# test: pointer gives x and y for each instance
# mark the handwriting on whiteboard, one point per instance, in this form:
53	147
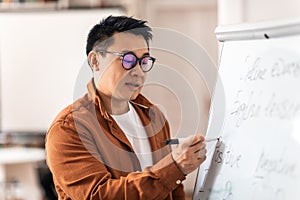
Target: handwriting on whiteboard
250	104
256	70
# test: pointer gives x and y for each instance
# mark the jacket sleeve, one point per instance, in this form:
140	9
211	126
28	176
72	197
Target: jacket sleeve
79	173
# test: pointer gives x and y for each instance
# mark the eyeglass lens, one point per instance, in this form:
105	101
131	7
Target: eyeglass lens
130	60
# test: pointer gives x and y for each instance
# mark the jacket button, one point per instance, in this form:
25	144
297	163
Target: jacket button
178	182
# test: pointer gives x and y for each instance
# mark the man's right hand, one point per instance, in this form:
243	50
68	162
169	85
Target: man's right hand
189	154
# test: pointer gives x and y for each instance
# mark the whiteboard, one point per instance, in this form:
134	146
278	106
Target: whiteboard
41	55
258	156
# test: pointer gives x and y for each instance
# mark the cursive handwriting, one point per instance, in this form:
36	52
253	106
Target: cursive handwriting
255	70
224	193
282	68
246	106
267	191
249	104
274	164
282	109
227	156
258	69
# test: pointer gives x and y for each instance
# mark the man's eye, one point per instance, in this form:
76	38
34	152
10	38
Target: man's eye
145	60
128	61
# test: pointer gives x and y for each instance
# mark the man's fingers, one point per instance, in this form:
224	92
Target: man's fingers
193	140
200	153
201	159
201	147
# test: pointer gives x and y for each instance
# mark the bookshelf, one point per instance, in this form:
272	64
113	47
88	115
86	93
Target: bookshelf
21	5
42	5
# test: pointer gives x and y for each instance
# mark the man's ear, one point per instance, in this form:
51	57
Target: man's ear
94	60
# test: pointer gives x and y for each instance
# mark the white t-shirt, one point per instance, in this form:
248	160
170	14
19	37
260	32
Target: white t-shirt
131	125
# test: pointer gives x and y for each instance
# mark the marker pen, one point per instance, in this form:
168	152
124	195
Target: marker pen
180	140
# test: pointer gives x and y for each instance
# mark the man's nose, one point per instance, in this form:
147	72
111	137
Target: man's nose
137	70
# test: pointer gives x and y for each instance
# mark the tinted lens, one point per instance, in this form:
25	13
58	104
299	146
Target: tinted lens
129	61
146	63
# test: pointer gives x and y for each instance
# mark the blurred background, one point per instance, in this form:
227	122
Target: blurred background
42	52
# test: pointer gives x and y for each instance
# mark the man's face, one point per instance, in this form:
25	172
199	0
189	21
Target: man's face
114	80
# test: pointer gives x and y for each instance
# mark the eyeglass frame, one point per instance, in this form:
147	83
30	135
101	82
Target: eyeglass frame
138	60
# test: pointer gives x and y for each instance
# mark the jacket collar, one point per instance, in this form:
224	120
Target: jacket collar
140	100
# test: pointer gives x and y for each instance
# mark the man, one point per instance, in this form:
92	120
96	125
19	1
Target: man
109	144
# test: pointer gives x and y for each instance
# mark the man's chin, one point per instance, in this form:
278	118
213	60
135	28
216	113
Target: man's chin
133	97
125	97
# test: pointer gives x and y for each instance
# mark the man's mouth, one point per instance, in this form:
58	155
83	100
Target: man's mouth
133	85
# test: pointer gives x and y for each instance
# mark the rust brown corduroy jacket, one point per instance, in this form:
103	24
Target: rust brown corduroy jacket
91	158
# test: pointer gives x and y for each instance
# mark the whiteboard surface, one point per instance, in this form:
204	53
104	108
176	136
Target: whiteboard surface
258	157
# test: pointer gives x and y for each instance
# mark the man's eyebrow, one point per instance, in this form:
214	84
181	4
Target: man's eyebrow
125	51
144	54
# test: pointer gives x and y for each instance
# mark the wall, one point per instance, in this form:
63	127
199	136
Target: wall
236	11
196	19
41	54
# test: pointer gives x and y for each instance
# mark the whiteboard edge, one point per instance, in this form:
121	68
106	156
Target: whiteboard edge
259	30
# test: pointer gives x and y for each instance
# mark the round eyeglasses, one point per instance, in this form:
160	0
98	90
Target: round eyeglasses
129	60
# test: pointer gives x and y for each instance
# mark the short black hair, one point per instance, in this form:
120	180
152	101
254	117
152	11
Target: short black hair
102	32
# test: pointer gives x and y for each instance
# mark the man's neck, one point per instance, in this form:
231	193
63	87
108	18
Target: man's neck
114	106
